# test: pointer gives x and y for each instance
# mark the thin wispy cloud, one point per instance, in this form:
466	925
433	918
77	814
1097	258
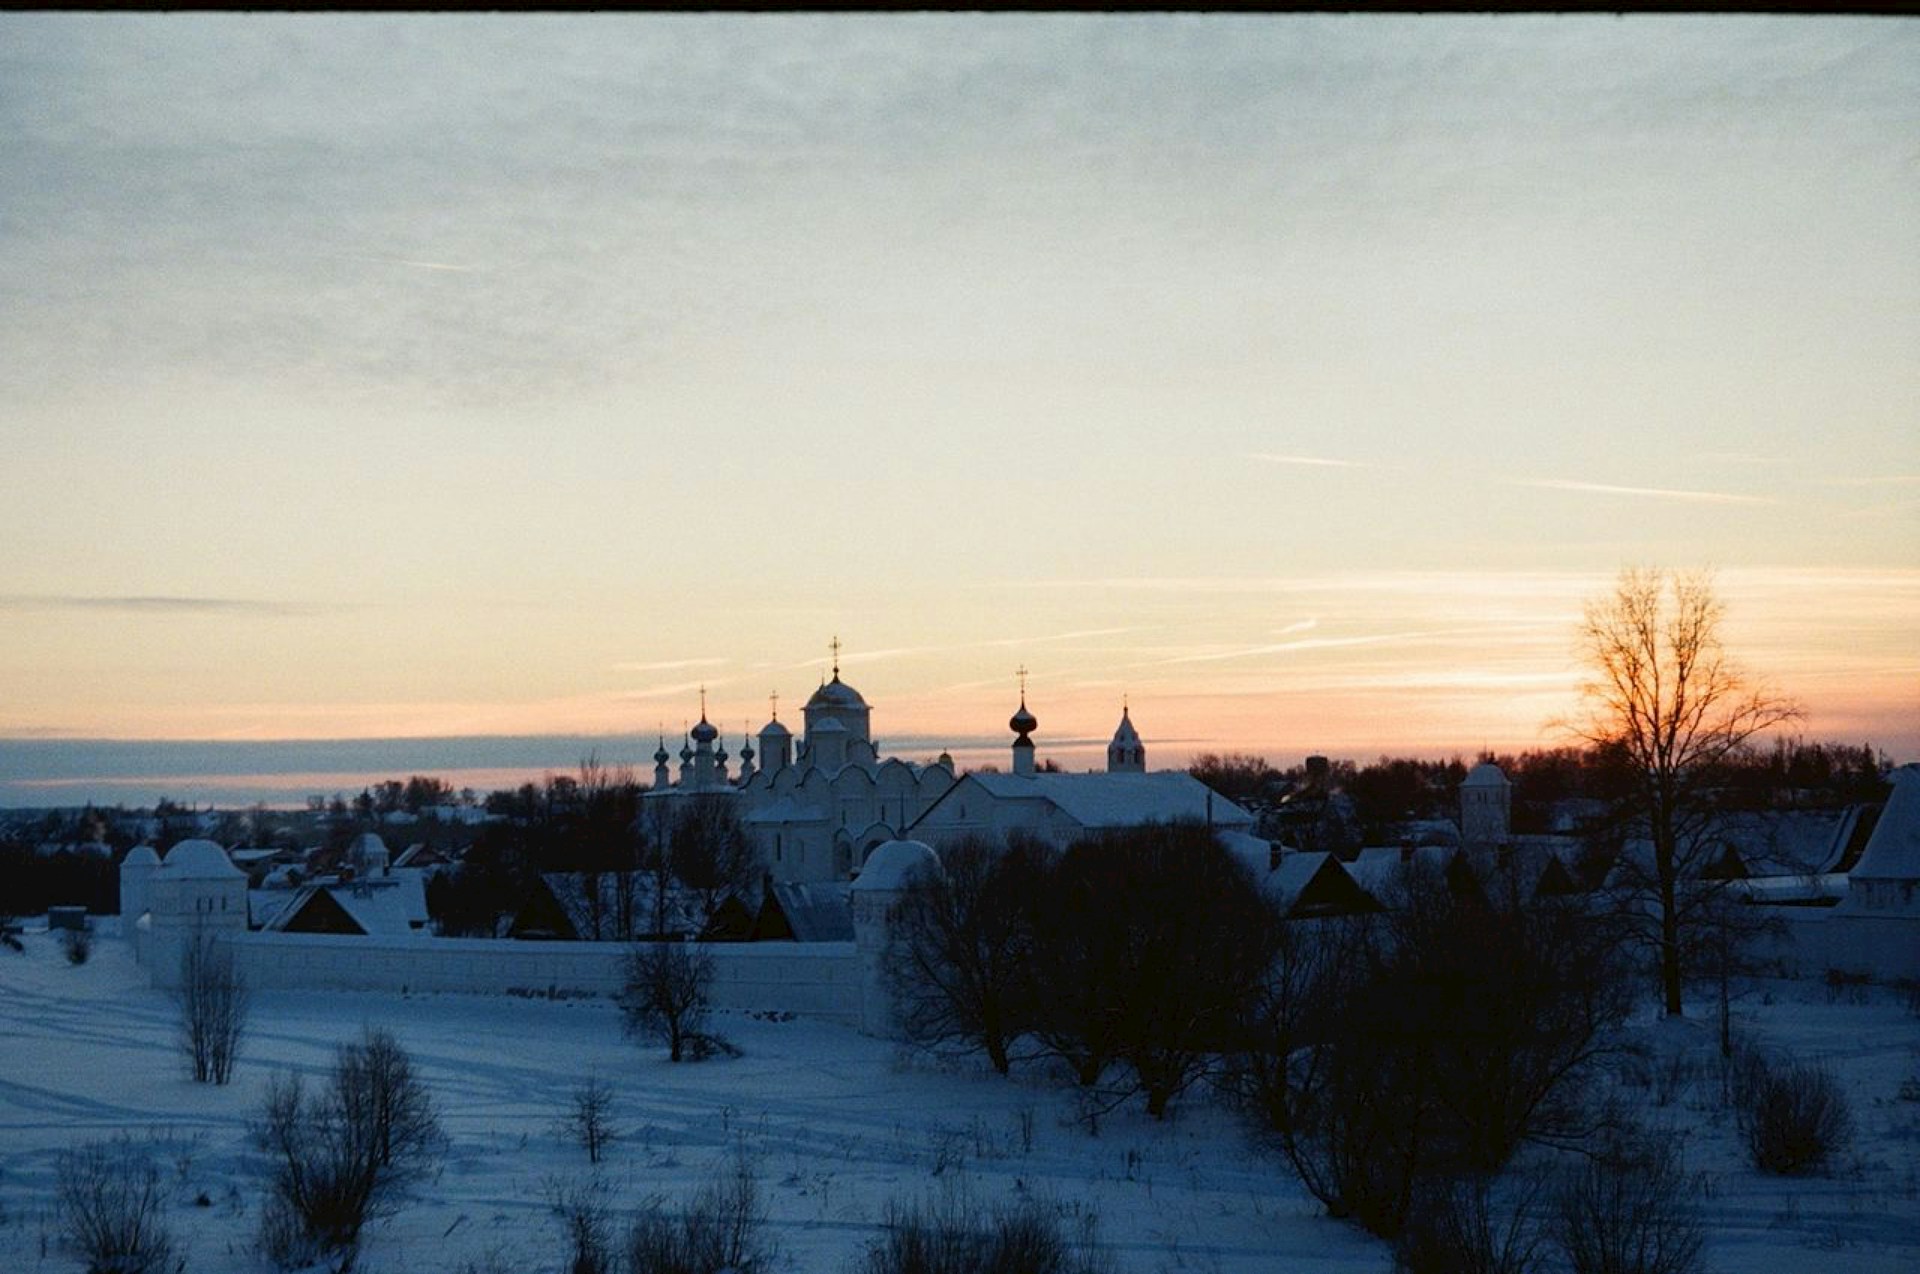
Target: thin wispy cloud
1288	647
141	604
417	265
1316	462
663	692
1654	493
668	665
1885	480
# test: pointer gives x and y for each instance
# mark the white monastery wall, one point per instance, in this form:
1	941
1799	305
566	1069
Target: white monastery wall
1885	948
810	979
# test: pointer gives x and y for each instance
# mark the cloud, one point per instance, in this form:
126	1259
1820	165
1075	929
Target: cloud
1657	493
153	605
668	665
663	692
1320	462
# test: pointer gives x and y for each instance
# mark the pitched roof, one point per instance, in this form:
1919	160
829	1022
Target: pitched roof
1893	853
812	912
1119	800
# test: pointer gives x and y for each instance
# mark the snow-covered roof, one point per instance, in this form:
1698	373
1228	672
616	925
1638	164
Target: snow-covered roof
1121	800
1379	869
814	912
199	860
265	905
829	726
891	865
1255	853
141	856
1893	852
599	919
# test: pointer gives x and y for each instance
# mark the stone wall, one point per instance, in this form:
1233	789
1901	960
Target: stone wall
809	979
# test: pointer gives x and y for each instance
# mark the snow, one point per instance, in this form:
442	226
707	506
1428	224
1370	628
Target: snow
838	1124
1893	852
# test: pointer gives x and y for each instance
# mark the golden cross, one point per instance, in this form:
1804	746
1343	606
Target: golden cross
835	645
774	698
1021	672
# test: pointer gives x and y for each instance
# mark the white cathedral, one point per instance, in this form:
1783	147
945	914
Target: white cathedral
817	811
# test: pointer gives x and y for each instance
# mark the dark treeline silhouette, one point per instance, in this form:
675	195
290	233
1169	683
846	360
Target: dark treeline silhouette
1391	791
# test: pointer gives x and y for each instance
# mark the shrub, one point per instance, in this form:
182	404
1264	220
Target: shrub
583	1215
213	1002
666	999
110	1203
589	1118
77	944
955	1236
1795	1119
338	1156
1627	1211
719	1231
1452	1229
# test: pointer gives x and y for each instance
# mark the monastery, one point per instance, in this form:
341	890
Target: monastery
817	807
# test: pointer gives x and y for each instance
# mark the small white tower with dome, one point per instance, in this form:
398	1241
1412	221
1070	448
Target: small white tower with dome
1126	754
1486	800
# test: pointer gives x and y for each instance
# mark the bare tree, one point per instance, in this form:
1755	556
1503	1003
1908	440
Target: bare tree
213	1001
589	1117
711	853
666	999
1664	693
962	947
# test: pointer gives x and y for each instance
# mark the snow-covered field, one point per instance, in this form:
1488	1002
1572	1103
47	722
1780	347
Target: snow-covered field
838	1125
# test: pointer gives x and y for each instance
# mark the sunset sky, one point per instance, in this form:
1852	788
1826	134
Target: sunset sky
1297	377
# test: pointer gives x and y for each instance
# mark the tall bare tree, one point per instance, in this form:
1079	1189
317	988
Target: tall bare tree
1664	694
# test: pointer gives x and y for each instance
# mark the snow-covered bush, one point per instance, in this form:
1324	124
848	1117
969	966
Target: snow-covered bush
1796	1119
720	1231
953	1235
110	1208
1629	1210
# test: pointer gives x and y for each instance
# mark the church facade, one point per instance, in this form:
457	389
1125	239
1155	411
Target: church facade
818	805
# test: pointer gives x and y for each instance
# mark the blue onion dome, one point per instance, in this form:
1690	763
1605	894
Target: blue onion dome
660	756
704	732
686	751
1023	722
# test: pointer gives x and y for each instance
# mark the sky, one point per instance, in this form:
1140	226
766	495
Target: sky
1293	378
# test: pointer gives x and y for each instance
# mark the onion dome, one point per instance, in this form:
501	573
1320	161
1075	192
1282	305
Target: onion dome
746	748
1023	722
836	694
686	751
660	755
704	732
